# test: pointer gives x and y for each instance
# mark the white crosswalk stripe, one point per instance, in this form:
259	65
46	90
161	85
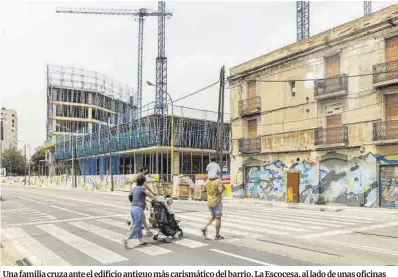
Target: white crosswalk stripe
92	250
116	237
43	255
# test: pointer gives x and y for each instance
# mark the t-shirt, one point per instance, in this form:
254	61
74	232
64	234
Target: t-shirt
139	197
212	171
215	190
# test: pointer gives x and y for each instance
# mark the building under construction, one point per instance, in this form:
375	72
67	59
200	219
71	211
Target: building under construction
130	141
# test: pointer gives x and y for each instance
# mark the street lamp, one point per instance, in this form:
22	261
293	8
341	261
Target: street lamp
10	167
172	131
73	154
26	160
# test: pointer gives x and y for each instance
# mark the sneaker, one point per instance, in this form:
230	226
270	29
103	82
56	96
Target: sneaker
219	237
204	232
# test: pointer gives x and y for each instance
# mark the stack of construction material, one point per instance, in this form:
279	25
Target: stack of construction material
161	188
181	191
199	194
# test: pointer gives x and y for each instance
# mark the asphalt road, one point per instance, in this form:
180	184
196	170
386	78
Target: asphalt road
72	227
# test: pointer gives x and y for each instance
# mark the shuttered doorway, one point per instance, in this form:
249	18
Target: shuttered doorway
332	66
251	95
392	55
252	128
334	132
392	107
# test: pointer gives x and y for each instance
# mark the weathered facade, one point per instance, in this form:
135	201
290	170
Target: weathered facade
320	117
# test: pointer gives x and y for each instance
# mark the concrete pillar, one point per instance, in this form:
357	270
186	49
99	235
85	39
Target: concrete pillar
176	167
138	163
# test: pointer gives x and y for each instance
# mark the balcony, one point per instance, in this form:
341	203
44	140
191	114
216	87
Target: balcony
386	131
250	145
385	74
249	106
331	87
331	137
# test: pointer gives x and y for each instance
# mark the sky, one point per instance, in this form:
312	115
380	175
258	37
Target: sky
201	36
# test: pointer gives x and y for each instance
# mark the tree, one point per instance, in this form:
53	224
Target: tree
36	161
15	160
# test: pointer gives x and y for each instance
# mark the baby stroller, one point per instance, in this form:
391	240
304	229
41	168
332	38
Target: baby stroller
162	218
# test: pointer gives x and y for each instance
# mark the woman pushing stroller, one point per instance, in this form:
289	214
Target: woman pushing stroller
139	193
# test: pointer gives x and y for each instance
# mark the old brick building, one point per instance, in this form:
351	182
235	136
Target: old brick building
320	117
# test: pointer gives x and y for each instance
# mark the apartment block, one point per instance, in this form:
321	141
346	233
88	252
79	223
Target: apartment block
318	119
9	128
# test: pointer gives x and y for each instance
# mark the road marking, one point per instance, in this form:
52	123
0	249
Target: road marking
116	237
96	252
312	221
14	210
35	248
40	218
68	210
62	220
189	243
116	223
54	206
237	215
242	258
231	232
250	222
339	232
237	226
363	247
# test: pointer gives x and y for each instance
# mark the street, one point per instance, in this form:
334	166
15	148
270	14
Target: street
73	227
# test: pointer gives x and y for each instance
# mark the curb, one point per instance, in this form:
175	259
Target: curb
19	254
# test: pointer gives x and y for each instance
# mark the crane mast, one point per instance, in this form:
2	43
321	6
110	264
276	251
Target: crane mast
303	20
161	64
140	14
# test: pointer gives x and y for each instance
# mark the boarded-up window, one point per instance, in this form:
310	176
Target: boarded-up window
251	95
332	66
252	128
392	49
392	107
333	121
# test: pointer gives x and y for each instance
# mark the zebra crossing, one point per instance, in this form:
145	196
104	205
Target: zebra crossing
28	214
101	239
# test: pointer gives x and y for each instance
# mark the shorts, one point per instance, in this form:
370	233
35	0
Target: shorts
216	211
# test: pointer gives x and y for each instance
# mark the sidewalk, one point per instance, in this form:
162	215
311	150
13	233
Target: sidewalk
6	259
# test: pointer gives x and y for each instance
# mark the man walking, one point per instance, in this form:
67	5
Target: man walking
215	189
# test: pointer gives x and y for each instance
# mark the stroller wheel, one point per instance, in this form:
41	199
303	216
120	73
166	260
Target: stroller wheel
168	239
180	235
155	237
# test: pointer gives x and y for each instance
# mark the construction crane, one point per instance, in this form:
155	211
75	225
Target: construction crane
303	20
161	63
367	7
140	14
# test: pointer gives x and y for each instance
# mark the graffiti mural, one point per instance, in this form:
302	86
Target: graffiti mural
341	180
268	181
389	186
352	182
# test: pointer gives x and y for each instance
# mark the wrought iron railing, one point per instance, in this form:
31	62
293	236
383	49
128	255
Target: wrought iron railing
332	135
250	145
385	71
385	130
249	106
332	84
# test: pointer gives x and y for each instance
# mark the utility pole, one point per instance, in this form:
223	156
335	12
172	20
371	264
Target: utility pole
220	118
110	155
